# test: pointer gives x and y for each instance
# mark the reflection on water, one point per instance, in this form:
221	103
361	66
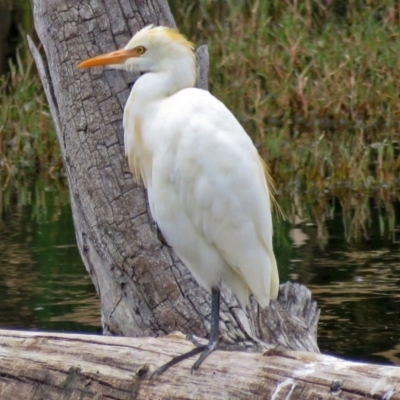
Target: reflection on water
43	284
356	285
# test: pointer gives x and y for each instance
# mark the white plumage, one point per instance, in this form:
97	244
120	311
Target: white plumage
207	185
207	191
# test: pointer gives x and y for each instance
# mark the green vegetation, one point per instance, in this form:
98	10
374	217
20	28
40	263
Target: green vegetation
317	86
315	83
27	140
301	61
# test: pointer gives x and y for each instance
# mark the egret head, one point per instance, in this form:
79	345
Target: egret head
152	49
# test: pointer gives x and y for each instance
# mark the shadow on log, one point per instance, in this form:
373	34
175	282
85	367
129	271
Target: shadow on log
60	366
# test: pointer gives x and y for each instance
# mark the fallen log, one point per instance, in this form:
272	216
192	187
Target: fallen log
36	365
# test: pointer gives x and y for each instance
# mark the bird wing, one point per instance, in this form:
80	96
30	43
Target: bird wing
220	182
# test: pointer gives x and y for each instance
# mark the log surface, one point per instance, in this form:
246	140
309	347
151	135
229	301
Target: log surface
56	366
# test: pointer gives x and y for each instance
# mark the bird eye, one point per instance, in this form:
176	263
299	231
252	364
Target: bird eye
140	50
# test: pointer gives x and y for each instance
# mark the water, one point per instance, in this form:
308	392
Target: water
356	285
44	286
43	283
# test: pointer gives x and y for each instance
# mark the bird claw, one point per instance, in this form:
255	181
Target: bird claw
207	351
204	349
178	359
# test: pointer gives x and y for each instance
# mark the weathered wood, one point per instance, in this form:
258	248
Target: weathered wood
143	287
59	366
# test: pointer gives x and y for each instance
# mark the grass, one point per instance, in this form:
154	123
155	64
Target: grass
315	83
301	61
27	139
35	191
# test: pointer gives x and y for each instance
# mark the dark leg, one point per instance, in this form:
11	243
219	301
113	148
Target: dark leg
205	349
214	329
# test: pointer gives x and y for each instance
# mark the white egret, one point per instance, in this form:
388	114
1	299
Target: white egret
207	186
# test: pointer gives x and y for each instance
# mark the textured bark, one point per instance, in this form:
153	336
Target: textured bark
57	366
143	287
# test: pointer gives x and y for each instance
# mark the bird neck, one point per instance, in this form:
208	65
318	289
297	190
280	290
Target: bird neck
145	97
157	85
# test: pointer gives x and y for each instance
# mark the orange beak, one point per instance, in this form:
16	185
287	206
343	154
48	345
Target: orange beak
115	57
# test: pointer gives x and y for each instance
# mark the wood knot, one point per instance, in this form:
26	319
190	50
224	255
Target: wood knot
142	370
336	387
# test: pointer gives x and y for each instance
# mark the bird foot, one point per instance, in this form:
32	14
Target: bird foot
204	349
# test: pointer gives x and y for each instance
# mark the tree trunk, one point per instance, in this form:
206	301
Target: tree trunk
144	289
57	366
